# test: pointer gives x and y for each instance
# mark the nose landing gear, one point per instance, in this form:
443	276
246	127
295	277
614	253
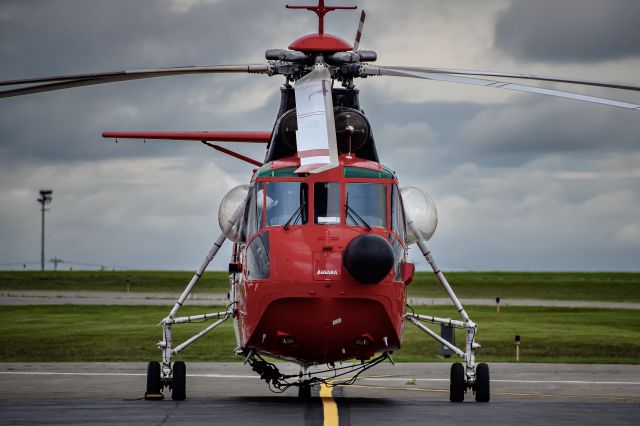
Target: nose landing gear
304	390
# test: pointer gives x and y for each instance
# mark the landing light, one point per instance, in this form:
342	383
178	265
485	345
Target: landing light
287	340
363	341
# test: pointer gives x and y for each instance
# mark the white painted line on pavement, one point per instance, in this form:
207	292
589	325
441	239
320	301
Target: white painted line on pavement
239	376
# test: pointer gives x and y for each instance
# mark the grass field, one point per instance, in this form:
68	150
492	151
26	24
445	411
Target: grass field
138	281
129	333
600	286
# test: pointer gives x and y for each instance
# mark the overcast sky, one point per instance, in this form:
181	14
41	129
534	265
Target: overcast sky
521	181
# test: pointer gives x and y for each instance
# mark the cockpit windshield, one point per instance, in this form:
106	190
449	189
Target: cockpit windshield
286	203
368	202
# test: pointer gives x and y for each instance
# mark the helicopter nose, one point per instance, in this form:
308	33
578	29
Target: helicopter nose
368	258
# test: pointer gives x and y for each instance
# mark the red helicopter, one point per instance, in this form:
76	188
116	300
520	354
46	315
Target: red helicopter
320	235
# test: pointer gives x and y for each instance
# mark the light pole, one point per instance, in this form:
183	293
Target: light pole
45	199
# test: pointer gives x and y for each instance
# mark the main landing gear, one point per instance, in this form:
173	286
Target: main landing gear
173	375
465	375
177	382
458	384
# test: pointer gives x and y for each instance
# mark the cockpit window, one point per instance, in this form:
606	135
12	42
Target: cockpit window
286	203
368	202
253	212
326	201
397	213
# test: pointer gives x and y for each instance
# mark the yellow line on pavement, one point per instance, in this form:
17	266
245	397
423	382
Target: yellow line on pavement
329	407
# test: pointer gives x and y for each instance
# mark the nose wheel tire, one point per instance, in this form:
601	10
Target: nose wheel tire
179	383
154	382
304	391
482	385
457	385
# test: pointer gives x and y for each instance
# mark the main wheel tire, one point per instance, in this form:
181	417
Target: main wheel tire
457	385
482	385
304	391
179	383
154	382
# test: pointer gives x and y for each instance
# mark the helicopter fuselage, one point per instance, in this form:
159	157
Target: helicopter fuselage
297	296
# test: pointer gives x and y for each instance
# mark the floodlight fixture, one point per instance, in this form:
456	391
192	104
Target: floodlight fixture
46	197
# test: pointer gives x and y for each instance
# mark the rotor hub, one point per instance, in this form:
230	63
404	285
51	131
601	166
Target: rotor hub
325	43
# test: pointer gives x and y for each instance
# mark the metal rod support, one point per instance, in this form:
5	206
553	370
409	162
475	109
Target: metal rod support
435	336
199	335
196	277
205	317
212	253
444	321
443	281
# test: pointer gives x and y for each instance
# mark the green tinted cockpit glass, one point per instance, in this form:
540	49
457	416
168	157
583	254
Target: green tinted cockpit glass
359	172
265	171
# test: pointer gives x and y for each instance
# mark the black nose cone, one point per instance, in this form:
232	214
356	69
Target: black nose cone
368	258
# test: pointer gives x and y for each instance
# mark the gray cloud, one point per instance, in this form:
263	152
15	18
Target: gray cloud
498	172
514	133
120	34
100	36
569	30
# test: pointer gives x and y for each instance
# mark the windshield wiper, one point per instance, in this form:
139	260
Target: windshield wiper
351	213
295	216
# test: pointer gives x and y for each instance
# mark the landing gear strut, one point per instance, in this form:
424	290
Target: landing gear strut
463	376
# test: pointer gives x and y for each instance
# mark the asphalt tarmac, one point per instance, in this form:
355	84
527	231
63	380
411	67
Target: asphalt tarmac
231	394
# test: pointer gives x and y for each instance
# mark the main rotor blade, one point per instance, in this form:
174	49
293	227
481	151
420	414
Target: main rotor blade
48	84
243	136
374	70
517	76
356	44
316	135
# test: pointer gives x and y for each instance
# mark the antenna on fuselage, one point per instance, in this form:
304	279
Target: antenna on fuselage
321	10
